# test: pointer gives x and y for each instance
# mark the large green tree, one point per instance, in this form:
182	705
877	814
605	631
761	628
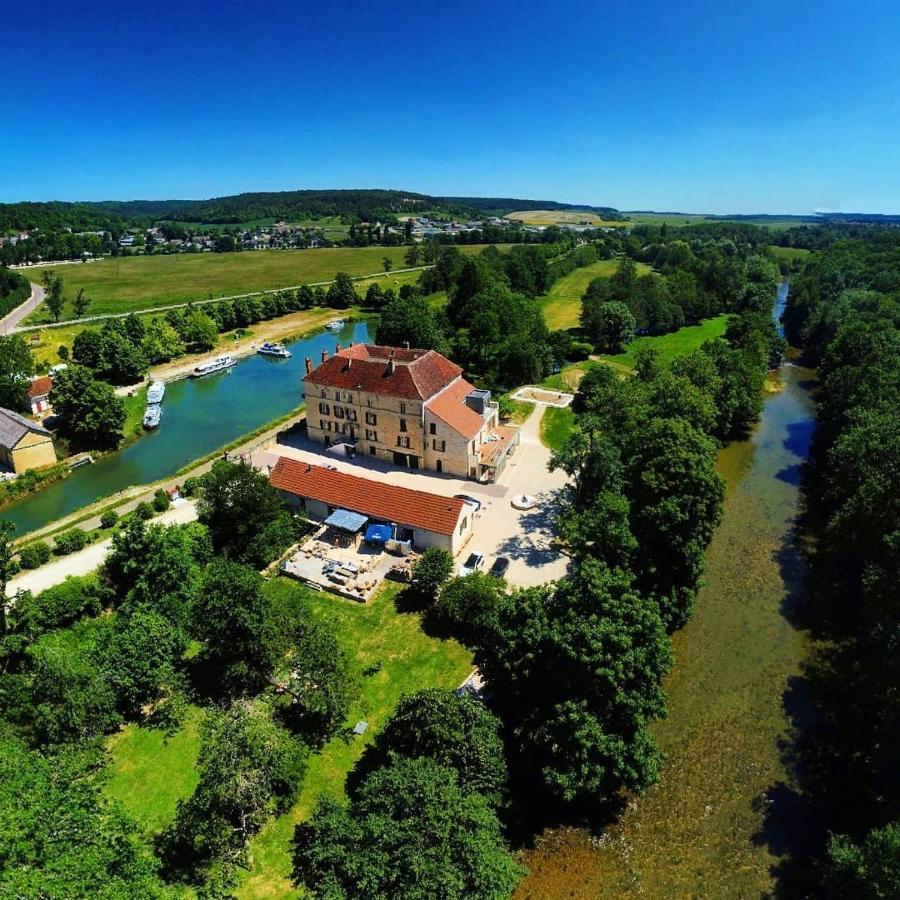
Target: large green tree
410	833
16	369
89	410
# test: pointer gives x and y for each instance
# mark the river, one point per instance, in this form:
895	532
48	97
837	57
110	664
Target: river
721	817
199	416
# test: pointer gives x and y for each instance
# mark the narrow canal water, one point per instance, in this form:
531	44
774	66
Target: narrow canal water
718	821
199	415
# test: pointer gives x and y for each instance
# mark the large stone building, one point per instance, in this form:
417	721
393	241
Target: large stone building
410	407
24	444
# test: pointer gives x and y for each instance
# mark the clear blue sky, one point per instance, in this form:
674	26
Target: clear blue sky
718	106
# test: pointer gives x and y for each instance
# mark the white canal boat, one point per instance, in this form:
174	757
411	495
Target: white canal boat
214	365
152	416
270	349
156	392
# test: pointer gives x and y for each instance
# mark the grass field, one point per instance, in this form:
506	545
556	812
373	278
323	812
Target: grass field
653	218
790	253
556	426
149	774
678	343
562	304
563	217
124	284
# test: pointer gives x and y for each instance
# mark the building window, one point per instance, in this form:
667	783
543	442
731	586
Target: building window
371	435
348	398
371	419
351	415
433	428
402	408
323	408
324	393
372	450
321	424
462	525
440	446
403	424
339	412
403	441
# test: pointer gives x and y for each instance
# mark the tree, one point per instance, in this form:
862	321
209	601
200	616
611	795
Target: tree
468	606
61	836
868	870
411	257
410	832
87	348
388	263
81	303
676	502
161	342
122	361
6	532
53	296
16	368
229	617
245	514
341	294
199	331
409	320
89	410
429	572
249	768
610	326
457	732
374	296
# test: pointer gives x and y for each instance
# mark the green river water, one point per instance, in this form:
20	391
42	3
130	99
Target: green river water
199	416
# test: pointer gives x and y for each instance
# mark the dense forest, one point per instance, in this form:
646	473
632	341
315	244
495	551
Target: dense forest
14	290
845	311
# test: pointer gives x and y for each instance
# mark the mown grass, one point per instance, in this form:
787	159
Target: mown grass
677	343
562	304
556	426
149	772
125	284
790	253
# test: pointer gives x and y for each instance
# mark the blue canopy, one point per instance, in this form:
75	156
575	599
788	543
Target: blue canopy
378	534
344	520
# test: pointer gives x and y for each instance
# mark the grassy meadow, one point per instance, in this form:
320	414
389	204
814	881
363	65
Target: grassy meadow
790	253
126	284
562	305
677	343
563	217
149	773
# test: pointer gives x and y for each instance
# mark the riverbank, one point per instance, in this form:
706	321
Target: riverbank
717	821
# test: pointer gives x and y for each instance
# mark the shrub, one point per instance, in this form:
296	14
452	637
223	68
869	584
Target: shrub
109	518
161	501
144	511
70	541
579	350
34	555
429	572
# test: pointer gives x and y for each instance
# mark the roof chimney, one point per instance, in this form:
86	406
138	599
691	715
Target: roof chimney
406	344
390	365
308	366
324	355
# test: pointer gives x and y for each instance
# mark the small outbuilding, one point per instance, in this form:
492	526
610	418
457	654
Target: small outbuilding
24	444
38	394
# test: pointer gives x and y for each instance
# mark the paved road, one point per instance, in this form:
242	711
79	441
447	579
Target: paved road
87	560
9	322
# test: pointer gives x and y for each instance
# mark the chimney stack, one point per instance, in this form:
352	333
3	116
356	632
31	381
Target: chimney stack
324	355
406	344
308	365
390	365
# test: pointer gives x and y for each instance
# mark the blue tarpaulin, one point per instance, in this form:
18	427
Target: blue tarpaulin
344	520
378	534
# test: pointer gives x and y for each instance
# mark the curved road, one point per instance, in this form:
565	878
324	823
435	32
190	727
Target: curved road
9	322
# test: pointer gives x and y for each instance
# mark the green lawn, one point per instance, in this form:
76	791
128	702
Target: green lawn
678	343
149	773
556	426
790	253
562	305
135	406
124	284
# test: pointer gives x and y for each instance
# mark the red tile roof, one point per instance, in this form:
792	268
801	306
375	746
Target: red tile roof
450	407
416	375
414	509
39	387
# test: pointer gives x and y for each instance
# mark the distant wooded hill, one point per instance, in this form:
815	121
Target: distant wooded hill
362	205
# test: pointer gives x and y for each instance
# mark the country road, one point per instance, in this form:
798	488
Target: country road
9	322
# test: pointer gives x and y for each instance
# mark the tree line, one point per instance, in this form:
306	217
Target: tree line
844	310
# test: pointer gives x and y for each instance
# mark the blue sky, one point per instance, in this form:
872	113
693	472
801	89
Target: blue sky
698	106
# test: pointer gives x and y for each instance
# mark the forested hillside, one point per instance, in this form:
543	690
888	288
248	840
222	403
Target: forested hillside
844	310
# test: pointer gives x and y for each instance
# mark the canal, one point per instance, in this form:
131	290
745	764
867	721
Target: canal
720	819
199	416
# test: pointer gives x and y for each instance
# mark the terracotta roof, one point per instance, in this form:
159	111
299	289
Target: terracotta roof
39	387
450	407
417	374
414	509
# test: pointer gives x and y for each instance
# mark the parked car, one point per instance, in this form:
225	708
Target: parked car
498	569
473	562
466	498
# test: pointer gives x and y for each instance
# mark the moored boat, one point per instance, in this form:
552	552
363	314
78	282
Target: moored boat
273	349
156	392
336	325
152	416
214	365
